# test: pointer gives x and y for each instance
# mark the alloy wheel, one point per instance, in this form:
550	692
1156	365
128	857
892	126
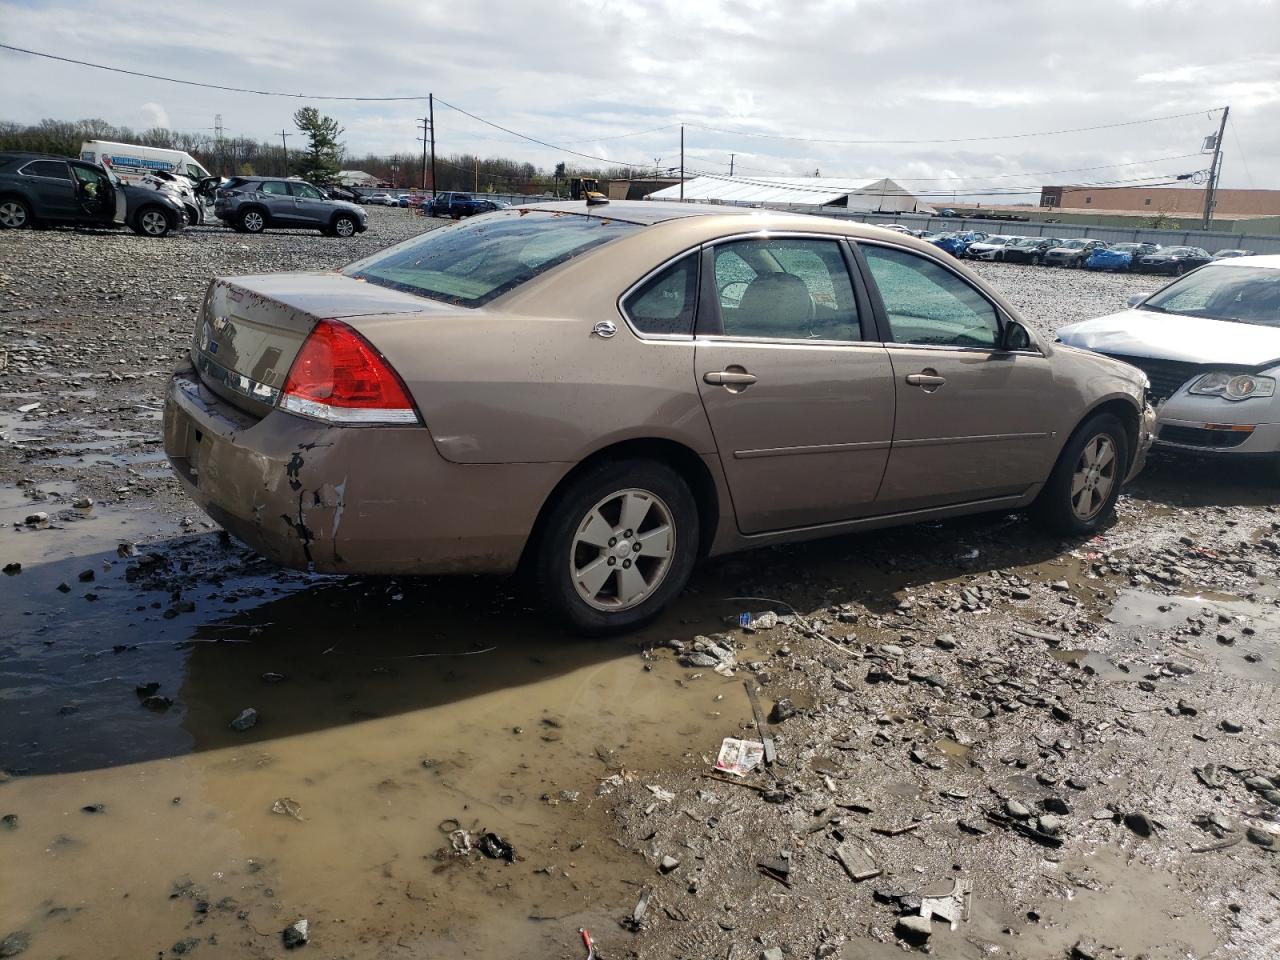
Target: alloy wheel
154	223
13	215
1094	477
253	222
344	227
622	550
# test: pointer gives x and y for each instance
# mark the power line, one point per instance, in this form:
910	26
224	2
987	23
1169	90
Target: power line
1003	136
544	143
196	83
1240	147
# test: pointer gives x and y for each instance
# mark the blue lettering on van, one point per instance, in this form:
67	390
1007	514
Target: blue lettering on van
139	162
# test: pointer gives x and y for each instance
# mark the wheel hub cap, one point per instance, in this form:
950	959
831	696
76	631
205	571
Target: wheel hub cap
622	550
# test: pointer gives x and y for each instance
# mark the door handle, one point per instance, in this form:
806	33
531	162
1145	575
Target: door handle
928	379
725	378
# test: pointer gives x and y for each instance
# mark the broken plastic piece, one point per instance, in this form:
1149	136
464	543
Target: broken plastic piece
739	757
588	943
494	847
953	907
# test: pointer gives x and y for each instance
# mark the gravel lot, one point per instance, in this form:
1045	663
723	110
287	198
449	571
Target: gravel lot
1084	732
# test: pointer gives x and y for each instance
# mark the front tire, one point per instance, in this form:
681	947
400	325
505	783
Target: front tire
1080	496
152	222
618	546
14	213
343	226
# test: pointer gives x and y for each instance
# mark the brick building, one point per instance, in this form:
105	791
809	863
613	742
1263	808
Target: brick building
1150	201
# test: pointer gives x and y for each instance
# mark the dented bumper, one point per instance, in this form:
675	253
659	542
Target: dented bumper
371	500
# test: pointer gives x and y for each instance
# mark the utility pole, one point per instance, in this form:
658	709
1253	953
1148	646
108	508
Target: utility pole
284	142
424	123
682	161
476	188
1215	171
431	121
731	156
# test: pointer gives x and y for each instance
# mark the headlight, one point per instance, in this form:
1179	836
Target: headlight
1233	386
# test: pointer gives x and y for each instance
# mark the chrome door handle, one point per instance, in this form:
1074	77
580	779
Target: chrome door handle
925	380
729	378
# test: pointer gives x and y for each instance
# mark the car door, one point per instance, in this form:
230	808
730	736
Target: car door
279	201
973	420
309	205
55	192
800	399
95	195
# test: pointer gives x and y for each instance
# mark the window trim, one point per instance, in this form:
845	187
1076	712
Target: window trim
69	178
697	299
709	306
882	315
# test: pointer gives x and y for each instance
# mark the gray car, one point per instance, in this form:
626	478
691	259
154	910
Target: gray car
252	204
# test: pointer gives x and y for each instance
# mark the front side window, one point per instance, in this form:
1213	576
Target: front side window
91	181
306	191
276	187
52	169
928	304
475	261
664	304
786	288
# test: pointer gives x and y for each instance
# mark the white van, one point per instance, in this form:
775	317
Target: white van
131	163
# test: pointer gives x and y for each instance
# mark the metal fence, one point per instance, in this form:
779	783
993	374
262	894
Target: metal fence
1209	240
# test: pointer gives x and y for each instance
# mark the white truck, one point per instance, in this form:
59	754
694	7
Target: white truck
131	162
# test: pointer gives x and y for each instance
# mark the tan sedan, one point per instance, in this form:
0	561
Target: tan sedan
602	395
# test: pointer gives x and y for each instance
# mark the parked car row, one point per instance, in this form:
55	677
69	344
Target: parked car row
1077	252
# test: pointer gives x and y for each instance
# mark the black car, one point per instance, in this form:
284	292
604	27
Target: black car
1173	260
41	189
1028	249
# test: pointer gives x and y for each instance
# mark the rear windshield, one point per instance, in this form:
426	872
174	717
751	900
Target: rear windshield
475	261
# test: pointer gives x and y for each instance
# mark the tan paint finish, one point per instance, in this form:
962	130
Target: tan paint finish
515	393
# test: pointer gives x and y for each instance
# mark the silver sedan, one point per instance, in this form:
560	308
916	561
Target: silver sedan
1210	344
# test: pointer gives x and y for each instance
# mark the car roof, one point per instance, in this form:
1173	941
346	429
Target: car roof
1271	261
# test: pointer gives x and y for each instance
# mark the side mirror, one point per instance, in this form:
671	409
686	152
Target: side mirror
1016	337
1136	299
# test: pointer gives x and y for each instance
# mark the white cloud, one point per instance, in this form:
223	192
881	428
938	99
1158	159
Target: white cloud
581	72
153	115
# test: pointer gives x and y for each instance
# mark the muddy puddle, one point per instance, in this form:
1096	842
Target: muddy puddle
388	715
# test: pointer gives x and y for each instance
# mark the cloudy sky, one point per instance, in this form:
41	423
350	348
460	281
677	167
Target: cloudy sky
776	83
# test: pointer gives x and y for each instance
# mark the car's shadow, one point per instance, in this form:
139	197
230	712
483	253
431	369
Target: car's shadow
1187	481
216	629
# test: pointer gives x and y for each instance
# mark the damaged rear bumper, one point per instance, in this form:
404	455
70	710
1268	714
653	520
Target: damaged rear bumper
371	500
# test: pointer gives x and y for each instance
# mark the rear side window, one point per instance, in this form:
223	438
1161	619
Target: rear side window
475	261
53	169
928	304
664	304
788	288
276	187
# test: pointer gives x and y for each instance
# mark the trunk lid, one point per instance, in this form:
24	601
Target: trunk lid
250	329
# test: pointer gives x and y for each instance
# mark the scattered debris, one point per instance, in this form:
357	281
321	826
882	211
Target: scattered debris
297	934
952	907
857	862
288	808
246	719
496	848
739	757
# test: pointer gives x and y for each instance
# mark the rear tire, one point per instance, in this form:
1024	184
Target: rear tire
252	220
1080	495
15	213
585	562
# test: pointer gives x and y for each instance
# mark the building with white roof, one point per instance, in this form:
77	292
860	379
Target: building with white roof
863	195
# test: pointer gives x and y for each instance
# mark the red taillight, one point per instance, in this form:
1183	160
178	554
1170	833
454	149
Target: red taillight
339	377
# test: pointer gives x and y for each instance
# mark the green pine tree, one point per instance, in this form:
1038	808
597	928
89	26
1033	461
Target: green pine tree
321	161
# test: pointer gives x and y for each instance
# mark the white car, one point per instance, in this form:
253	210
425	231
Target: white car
991	248
1210	344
